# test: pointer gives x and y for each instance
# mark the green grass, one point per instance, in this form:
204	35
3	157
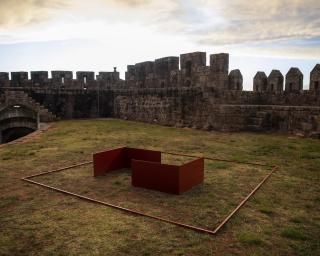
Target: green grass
266	210
281	219
249	238
293	234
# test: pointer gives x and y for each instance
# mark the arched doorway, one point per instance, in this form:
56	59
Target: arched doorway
17	121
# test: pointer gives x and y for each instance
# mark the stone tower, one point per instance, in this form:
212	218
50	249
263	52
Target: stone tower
294	80
260	82
235	80
315	79
163	68
143	74
219	70
190	63
275	81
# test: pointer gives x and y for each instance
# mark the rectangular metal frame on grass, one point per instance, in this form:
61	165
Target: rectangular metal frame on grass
132	211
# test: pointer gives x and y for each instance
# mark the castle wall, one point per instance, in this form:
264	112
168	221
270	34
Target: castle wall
69	104
192	108
194	95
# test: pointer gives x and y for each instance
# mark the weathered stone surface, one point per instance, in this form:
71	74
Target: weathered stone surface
235	80
315	79
260	82
39	78
219	70
61	79
294	80
197	95
19	79
4	79
275	81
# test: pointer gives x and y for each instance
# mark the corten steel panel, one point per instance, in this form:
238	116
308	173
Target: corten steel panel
156	176
108	161
191	174
142	154
121	158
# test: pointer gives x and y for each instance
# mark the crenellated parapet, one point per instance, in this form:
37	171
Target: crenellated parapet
194	72
165	72
60	79
187	71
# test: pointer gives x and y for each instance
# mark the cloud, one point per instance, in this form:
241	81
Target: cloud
259	25
130	3
262	21
245	24
17	13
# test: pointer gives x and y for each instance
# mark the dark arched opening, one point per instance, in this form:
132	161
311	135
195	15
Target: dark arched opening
12	134
271	87
17	121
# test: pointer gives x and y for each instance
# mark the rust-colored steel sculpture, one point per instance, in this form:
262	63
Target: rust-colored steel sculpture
120	158
131	211
148	171
167	178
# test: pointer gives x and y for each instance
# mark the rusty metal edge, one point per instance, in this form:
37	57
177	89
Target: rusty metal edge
58	170
195	228
224	222
120	208
218	159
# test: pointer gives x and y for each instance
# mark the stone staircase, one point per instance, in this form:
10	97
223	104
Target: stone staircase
9	98
256	121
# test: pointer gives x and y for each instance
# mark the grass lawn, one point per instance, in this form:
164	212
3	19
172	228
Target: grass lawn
283	217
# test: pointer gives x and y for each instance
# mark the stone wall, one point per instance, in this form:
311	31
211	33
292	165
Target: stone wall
194	95
193	108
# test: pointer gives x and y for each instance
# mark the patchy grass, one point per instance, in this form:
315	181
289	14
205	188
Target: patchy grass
298	219
281	219
249	238
266	210
293	234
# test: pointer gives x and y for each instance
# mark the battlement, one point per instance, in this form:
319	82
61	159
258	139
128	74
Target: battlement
188	70
194	72
59	79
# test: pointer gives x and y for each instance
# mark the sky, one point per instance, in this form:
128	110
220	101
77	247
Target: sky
97	35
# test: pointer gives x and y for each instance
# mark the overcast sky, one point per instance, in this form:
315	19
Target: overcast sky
97	35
